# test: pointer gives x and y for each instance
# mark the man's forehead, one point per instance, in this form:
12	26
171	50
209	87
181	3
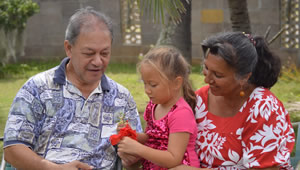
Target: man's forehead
92	24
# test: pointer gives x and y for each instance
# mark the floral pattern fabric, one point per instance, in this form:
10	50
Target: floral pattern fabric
260	135
50	116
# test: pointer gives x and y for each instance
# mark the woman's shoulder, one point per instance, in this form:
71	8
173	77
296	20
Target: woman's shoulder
263	94
262	105
202	91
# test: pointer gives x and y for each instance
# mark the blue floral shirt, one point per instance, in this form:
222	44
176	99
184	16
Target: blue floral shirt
51	116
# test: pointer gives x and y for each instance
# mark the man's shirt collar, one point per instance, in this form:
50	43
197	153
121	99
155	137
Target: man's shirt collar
60	75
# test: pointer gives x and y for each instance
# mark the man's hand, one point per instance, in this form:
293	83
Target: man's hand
75	165
129	161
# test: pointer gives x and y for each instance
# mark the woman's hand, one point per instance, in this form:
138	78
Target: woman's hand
185	167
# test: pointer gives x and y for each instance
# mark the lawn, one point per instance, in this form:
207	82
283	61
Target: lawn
14	76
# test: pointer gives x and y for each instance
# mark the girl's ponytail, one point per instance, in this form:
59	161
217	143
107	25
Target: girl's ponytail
189	94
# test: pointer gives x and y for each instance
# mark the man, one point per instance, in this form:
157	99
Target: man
63	118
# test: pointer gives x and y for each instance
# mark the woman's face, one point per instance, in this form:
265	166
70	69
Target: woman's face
220	76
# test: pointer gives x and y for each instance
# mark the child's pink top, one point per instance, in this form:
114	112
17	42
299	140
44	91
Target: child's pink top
179	119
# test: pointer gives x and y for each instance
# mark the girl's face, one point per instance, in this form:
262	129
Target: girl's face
158	89
220	76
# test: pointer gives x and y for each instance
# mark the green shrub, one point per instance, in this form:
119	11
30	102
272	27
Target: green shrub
15	13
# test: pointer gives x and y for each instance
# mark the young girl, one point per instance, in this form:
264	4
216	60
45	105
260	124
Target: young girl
170	134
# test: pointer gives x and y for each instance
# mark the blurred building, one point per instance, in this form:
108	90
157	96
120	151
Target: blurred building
134	34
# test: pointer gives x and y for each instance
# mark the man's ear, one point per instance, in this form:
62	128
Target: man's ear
68	48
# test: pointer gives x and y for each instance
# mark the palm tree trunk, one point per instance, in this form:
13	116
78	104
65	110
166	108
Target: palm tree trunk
178	35
182	38
239	15
166	33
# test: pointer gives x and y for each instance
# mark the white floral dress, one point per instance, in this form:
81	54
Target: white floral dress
260	135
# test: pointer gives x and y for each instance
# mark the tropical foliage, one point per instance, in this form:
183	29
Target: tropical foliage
159	9
13	18
15	13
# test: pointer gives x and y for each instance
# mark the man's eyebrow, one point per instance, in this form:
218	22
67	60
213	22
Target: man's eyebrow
107	48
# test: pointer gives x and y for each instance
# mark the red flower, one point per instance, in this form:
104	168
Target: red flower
125	131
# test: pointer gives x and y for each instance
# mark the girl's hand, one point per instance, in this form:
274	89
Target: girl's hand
121	125
129	146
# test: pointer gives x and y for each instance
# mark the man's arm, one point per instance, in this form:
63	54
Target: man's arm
21	157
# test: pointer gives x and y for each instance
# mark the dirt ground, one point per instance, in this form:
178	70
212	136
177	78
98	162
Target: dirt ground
294	111
293	107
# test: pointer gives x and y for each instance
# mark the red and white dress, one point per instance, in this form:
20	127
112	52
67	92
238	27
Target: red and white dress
260	135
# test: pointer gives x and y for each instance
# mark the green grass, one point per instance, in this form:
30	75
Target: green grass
15	75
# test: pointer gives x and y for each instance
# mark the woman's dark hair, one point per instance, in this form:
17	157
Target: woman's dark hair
246	54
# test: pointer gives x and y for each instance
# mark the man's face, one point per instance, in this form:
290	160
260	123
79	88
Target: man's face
89	56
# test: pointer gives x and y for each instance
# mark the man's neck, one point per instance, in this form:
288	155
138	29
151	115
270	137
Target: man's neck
85	88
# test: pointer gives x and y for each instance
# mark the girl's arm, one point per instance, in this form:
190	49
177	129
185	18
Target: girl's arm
142	137
169	158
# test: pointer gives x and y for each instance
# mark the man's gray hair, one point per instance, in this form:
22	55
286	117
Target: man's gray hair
85	17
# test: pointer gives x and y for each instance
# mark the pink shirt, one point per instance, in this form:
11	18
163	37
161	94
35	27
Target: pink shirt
179	119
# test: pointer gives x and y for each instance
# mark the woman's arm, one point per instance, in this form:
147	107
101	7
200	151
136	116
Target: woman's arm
169	158
271	168
185	167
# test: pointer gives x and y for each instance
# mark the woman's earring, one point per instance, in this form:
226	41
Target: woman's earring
242	93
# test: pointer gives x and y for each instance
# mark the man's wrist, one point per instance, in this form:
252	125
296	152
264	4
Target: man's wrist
48	165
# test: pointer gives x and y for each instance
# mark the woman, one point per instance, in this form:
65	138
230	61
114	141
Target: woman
241	124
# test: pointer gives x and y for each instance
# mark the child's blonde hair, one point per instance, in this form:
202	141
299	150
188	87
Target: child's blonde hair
170	64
